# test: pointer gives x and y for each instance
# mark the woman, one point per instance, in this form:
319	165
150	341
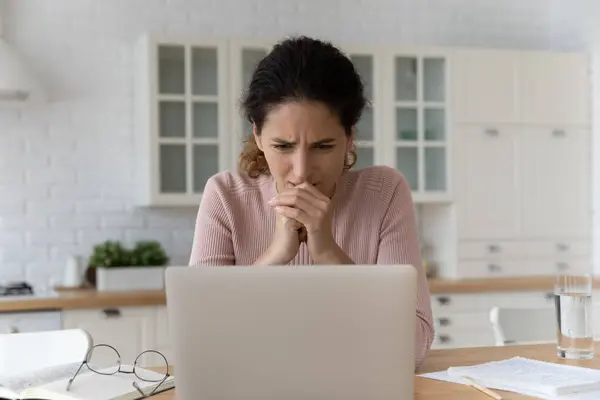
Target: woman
295	200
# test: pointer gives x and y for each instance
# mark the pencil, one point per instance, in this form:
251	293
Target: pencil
485	390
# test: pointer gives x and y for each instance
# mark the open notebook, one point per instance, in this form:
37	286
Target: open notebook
51	383
540	379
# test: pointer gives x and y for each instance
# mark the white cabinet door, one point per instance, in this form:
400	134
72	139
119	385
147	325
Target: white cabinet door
485	86
182	118
487	169
554	88
556	185
129	330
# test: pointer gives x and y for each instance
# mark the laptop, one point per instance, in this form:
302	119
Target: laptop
282	333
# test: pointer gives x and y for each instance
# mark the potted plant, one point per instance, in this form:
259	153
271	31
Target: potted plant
119	268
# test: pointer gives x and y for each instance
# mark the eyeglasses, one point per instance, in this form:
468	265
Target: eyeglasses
104	359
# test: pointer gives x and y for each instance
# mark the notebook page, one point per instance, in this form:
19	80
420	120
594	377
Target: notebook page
92	386
18	383
543	377
589	395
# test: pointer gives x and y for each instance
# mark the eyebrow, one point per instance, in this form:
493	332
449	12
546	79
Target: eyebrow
324	141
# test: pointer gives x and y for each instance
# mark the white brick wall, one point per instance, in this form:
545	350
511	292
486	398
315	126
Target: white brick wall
66	169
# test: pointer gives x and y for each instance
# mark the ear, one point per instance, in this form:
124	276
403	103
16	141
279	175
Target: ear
350	146
257	137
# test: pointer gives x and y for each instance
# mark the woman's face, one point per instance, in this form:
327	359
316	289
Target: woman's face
304	142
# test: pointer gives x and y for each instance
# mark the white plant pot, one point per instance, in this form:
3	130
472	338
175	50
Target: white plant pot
129	278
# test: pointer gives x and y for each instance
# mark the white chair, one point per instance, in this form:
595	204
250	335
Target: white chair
523	325
25	352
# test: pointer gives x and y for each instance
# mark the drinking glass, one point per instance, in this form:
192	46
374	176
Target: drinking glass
573	303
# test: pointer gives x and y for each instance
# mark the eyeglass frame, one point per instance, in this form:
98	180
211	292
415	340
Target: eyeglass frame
119	370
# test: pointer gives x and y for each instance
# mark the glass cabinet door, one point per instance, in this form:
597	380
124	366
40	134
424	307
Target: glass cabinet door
420	121
188	108
365	128
250	59
205	115
171	109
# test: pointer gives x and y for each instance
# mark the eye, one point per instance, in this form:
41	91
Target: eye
323	146
282	146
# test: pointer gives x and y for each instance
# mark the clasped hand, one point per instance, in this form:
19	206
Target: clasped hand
307	205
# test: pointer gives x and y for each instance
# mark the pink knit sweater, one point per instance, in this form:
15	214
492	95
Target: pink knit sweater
373	222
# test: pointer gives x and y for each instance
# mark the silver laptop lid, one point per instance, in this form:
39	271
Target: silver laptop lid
308	332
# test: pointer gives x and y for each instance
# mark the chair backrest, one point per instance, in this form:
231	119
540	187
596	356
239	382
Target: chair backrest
25	352
523	325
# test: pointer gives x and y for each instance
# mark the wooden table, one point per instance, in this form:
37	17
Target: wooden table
426	389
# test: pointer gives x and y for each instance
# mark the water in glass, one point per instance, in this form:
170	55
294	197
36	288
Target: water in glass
573	301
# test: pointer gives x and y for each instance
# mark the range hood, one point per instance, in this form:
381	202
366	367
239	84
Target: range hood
17	85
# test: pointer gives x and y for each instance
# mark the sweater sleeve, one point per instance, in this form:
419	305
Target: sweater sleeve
399	244
212	244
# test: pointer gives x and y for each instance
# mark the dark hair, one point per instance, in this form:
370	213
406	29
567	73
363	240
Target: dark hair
296	69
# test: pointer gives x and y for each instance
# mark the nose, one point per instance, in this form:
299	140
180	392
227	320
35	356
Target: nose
301	167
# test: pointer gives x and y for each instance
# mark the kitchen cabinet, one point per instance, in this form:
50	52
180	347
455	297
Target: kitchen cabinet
182	118
485	86
487	161
131	330
556	182
416	121
531	87
463	320
554	88
244	56
368	130
189	124
522	168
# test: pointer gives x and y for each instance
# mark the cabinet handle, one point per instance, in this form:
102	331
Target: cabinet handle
559	133
444	321
444	300
444	339
562	247
494	248
491	132
494	268
562	266
111	312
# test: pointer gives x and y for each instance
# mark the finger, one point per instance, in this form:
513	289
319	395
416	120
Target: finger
289	223
313	190
294	213
297	201
305	194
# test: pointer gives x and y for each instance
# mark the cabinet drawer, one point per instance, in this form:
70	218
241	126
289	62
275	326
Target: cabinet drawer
448	304
492	250
558	248
462	321
472	338
500	268
504	268
489	249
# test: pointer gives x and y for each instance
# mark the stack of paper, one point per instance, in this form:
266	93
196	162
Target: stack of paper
529	377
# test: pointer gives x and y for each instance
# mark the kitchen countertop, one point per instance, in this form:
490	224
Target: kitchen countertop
85	299
89	298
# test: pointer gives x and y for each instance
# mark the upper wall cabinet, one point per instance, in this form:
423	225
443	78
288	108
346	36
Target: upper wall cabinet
485	86
368	139
182	118
244	56
555	88
498	86
416	121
